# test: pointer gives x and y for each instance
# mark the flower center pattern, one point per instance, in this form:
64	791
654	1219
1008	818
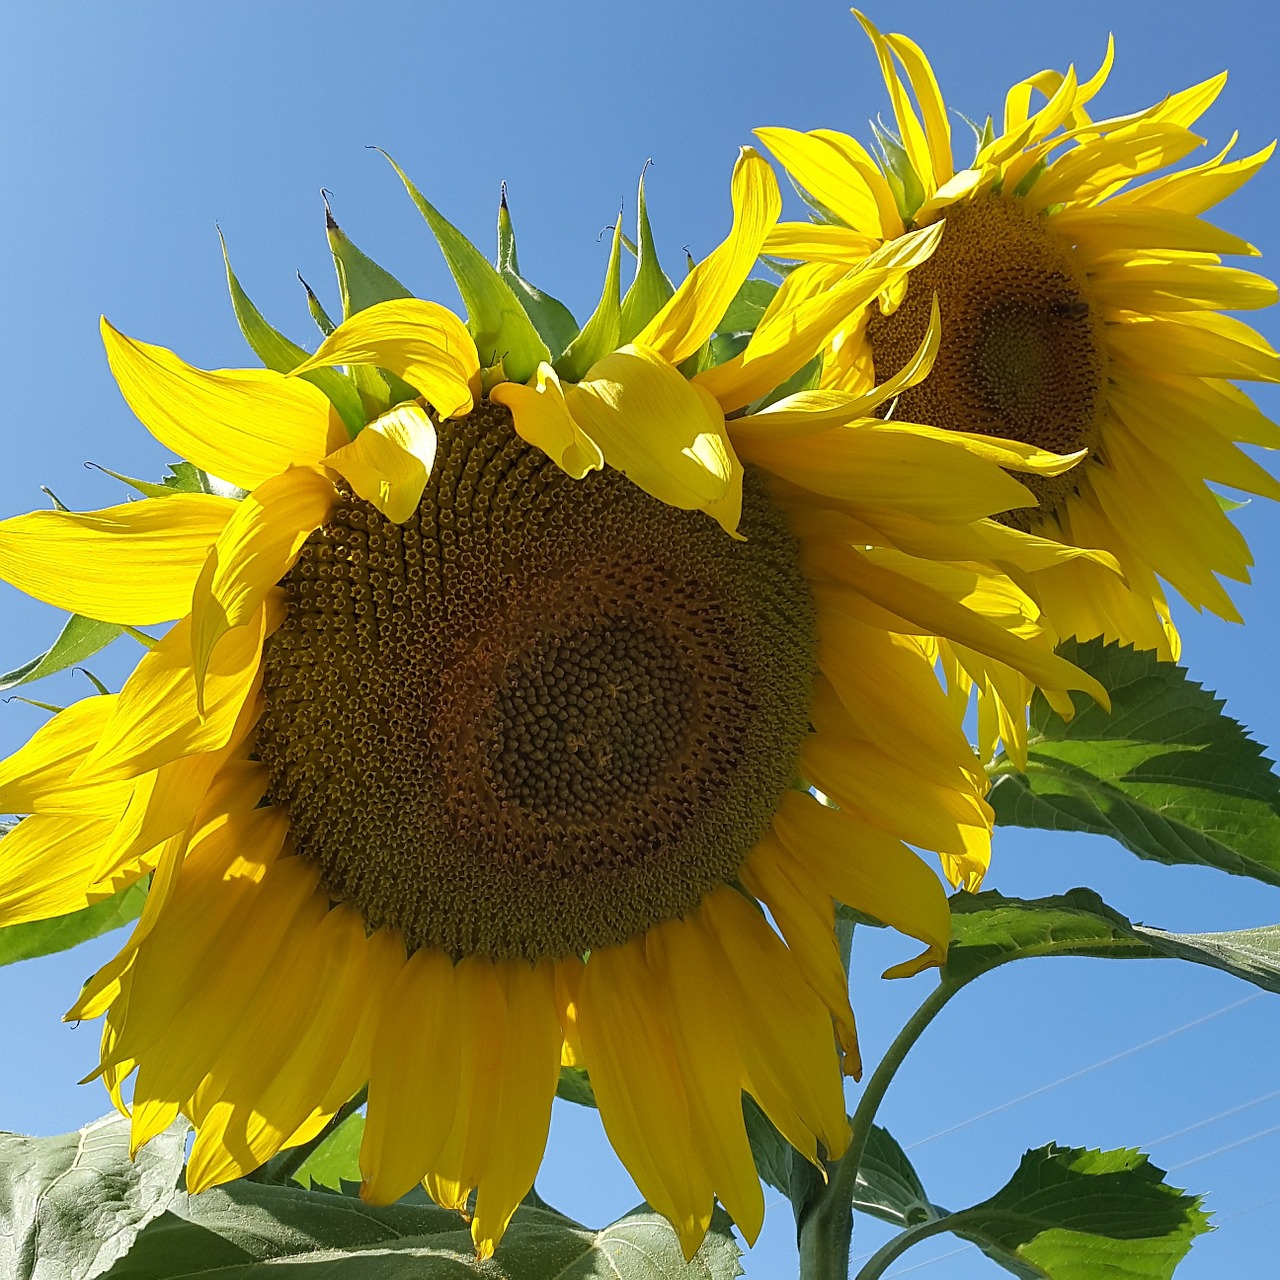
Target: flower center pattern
541	715
1023	352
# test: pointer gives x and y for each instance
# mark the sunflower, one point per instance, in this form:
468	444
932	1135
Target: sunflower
482	735
1080	297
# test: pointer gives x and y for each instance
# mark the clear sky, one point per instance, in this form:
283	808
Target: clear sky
128	129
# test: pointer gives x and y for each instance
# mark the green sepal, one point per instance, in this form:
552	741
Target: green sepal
599	335
79	639
363	283
279	353
552	319
904	182
316	308
148	488
1030	178
748	306
650	289
498	323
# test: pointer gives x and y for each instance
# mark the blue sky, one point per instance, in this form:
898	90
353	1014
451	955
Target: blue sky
129	130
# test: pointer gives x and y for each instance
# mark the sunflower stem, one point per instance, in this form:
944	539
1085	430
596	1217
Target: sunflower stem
282	1168
825	1222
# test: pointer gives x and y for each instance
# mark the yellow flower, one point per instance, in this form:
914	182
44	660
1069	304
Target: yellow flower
1080	298
475	733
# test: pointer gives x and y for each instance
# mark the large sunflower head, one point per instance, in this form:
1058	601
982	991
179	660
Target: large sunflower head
1081	295
495	706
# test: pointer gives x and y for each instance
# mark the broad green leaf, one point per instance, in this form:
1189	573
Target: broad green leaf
771	1150
724	346
1165	773
71	1206
79	639
650	289
599	335
988	930
336	1160
552	319
247	1229
748	305
575	1086
44	937
498	323
279	353
186	477
1072	1214
888	1187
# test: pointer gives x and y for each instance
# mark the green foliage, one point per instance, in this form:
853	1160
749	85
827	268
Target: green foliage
61	933
239	1231
78	640
279	353
650	289
599	335
575	1086
552	319
336	1161
748	305
71	1206
1165	773
989	930
498	323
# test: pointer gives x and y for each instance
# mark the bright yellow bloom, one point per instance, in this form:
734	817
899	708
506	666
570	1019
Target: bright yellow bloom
1080	299
472	730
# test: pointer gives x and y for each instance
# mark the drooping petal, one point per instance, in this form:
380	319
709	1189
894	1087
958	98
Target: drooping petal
241	425
134	564
421	342
390	461
664	433
542	419
255	550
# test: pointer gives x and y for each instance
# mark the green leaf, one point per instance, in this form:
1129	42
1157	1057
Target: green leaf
336	1160
60	933
888	1187
1072	1214
186	477
79	639
498	323
1165	773
279	353
650	289
71	1206
904	182
245	1229
748	305
599	335
988	930
552	319
575	1086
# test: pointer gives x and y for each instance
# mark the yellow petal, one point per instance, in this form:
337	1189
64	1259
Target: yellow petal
697	306
134	564
40	776
422	342
256	549
665	434
242	425
866	869
819	242
47	865
543	420
389	462
833	176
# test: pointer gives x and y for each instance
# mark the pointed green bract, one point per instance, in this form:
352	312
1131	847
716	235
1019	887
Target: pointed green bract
361	281
552	319
279	353
904	182
316	307
498	323
599	335
650	290
79	639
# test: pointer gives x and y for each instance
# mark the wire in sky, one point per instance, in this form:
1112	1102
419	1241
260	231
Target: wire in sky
1222	1115
1231	1146
1084	1071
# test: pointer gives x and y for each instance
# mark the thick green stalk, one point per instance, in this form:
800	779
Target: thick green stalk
825	1222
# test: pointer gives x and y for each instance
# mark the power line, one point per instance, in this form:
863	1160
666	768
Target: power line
1084	1071
1231	1146
1222	1115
